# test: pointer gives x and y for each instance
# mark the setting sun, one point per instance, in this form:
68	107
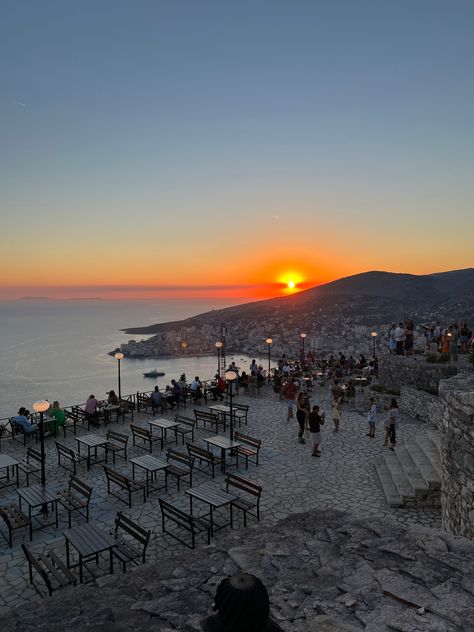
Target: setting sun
291	284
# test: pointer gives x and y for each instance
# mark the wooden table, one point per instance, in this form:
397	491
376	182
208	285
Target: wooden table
108	410
39	496
9	464
225	444
151	465
91	441
89	541
164	425
215	498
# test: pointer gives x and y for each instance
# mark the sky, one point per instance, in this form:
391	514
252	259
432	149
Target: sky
225	148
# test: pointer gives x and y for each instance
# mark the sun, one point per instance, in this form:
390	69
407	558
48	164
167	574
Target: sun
291	284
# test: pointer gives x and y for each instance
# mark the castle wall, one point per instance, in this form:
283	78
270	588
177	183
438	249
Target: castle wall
394	371
457	454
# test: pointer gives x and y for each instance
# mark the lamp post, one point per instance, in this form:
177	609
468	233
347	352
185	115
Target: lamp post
41	407
374	335
218	346
118	357
269	343
231	376
303	336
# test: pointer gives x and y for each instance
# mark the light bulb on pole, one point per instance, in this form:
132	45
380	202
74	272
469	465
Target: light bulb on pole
374	335
41	407
118	357
303	336
218	346
269	343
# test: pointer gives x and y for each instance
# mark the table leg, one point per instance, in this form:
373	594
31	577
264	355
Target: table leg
17	477
223	460
81	576
111	561
56	510
67	554
88	457
191	505
211	516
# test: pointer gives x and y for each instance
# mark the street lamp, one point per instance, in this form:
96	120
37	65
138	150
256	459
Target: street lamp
218	346
303	336
231	376
374	335
41	407
269	343
118	357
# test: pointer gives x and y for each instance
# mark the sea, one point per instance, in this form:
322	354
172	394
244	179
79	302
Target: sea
58	349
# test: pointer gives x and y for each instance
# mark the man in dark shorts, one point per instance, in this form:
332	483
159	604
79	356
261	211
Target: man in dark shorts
315	422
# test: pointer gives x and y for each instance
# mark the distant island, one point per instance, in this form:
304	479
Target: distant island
337	316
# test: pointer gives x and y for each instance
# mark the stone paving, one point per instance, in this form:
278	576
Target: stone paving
293	481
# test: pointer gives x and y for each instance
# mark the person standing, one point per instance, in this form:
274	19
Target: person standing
392	343
399	339
290	391
336	412
371	414
454	340
156	400
315	422
302	413
392	418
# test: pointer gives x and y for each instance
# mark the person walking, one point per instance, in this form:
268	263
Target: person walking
302	413
336	412
371	414
315	422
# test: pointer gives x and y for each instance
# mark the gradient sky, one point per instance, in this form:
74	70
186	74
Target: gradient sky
182	145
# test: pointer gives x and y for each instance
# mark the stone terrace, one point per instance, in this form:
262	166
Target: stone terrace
293	482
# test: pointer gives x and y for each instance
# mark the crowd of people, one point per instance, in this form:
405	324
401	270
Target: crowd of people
451	340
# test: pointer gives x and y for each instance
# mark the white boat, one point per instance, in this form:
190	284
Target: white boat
153	373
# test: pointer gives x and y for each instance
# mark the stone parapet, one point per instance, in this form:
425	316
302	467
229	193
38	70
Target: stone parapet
396	371
457	454
421	405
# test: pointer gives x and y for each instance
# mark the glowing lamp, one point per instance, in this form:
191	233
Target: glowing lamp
218	345
230	376
41	406
118	356
269	341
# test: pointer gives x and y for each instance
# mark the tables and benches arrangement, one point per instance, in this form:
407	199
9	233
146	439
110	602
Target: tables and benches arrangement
185	521
76	498
152	466
131	541
203	455
10	465
251	499
31	464
249	448
116	444
226	445
14	519
38	496
180	466
215	498
91	442
145	436
125	483
89	542
164	425
210	418
50	568
69	454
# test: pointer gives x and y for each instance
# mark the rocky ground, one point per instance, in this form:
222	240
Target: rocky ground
338	560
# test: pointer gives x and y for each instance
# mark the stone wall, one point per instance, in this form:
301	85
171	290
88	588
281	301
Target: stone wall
421	405
457	454
412	371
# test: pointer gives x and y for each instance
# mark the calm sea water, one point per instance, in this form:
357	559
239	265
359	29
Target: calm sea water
58	349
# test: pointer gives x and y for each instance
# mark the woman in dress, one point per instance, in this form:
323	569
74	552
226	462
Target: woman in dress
59	416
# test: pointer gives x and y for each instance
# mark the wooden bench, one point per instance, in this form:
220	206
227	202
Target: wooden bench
5	431
144	402
184	520
209	418
132	541
249	449
76	498
241	413
116	443
196	452
14	519
50	568
144	435
125	483
31	465
181	466
186	426
246	503
70	455
79	414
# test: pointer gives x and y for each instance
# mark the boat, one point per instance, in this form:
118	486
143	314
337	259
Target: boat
153	373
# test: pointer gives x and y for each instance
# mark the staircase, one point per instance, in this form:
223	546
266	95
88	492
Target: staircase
411	476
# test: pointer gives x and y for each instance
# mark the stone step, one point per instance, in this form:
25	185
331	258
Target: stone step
389	488
431	450
405	488
411	470
426	469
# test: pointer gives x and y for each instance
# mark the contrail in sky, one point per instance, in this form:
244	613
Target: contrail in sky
23	105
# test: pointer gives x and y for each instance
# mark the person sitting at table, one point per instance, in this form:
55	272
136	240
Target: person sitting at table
91	411
58	415
155	400
196	390
170	397
112	399
21	420
178	391
219	389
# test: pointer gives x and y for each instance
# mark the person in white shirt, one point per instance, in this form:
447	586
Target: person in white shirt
399	338
371	414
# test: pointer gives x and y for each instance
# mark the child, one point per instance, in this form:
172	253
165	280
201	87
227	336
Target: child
315	422
371	417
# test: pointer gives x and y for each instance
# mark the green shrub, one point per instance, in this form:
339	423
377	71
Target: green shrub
444	357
